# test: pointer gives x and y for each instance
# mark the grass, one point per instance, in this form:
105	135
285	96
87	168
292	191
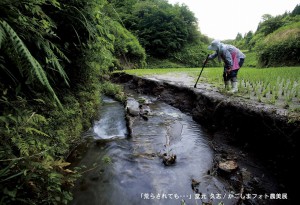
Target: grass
278	86
251	59
160	71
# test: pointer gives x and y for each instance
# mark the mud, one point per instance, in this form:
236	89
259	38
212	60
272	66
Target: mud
260	130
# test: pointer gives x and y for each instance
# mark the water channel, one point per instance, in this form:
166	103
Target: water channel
129	170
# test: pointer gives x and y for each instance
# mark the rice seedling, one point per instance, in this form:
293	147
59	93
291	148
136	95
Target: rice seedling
277	86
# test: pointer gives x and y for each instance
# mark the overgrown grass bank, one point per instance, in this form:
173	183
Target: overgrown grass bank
36	137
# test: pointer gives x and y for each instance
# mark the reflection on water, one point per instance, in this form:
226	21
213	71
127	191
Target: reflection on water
129	171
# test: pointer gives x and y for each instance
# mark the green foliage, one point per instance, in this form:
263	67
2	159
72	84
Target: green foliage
33	146
163	63
270	24
164	30
46	45
275	41
251	59
89	100
28	165
296	10
113	90
28	66
238	37
255	41
29	47
191	55
281	48
85	33
127	49
161	28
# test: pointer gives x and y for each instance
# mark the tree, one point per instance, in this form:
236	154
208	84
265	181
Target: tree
161	28
127	49
248	37
280	48
238	37
296	10
266	17
270	24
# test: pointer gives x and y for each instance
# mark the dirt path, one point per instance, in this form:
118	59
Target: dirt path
181	79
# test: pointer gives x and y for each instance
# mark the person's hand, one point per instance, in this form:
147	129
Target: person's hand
228	71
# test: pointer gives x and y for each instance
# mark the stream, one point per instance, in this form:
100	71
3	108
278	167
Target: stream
128	169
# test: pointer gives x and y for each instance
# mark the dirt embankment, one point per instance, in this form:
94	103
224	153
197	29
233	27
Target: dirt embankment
259	128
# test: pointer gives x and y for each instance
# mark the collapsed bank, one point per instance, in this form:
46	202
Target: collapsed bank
263	130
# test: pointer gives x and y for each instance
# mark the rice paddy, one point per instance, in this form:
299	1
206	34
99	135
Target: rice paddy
278	86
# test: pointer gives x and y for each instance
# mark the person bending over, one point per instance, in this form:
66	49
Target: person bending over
233	60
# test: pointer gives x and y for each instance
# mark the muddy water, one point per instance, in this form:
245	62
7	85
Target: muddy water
129	170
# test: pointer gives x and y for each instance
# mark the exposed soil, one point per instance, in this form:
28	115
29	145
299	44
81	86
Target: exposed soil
262	130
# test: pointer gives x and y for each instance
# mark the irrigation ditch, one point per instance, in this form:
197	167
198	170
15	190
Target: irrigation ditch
260	130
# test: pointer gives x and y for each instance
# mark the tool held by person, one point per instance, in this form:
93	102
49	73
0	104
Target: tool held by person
201	70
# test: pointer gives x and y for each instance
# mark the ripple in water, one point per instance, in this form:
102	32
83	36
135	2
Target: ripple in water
111	123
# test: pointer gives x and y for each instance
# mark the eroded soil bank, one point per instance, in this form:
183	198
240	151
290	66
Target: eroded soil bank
262	130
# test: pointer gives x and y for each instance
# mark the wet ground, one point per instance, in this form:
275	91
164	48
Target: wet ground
262	132
122	167
182	79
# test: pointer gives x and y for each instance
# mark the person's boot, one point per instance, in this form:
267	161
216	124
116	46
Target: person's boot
227	85
234	87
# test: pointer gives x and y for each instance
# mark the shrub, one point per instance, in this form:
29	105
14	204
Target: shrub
113	90
191	55
281	48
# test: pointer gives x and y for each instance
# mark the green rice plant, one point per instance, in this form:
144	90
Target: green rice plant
249	88
266	90
242	86
274	85
291	93
296	88
277	86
